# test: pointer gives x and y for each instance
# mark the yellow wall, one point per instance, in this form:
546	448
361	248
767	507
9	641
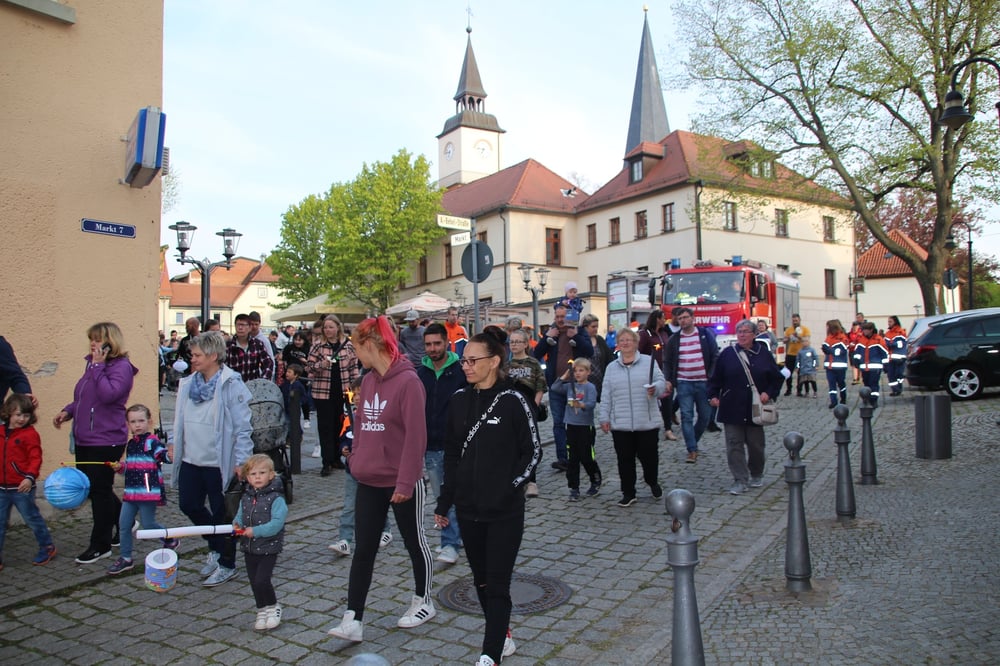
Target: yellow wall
68	93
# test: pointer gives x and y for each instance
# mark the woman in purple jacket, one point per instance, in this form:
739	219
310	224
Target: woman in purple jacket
99	429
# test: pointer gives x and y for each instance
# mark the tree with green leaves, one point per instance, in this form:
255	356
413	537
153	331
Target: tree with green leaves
849	93
360	240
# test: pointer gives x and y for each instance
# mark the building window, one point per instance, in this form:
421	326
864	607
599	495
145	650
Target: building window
261	292
447	260
828	229
781	222
830	280
592	236
592	283
553	248
178	317
616	231
729	212
422	270
641	230
481	236
668	218
762	169
635	171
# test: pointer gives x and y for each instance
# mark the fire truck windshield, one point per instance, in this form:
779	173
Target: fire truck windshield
703	287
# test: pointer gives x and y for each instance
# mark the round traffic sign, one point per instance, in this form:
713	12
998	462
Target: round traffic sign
484	261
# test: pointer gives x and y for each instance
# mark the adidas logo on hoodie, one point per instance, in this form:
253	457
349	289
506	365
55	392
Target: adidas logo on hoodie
373	410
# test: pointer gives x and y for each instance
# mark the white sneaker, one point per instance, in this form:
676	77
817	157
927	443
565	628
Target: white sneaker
385	540
261	623
449	555
509	647
349	629
305	425
420	611
273	617
342	547
317	451
211	564
531	489
484	660
220	576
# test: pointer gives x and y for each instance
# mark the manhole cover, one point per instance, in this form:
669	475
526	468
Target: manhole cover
529	594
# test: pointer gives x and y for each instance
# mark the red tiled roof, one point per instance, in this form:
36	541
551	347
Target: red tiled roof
878	262
188	295
691	157
527	185
185	289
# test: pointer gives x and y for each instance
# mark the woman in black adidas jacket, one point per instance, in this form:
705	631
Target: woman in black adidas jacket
491	448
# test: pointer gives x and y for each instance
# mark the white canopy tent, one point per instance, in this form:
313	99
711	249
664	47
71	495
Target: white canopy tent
425	302
311	309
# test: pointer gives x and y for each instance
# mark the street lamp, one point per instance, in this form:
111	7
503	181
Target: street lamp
950	245
230	239
955	114
543	279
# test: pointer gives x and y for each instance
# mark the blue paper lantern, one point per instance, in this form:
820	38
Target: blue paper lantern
67	488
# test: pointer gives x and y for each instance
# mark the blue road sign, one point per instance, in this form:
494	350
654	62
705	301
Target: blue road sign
108	228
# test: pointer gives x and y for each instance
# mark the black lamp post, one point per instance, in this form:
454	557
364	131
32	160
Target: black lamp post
955	114
230	239
950	244
543	279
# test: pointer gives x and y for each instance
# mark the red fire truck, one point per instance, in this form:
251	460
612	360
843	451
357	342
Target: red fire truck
722	295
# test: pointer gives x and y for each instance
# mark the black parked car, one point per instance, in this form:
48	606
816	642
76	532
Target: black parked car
961	354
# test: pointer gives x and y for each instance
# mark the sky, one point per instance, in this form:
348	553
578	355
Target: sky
268	102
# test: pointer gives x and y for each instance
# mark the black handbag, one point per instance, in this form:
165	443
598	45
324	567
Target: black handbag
543	412
232	496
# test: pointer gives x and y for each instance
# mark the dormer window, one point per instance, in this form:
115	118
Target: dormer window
635	171
762	169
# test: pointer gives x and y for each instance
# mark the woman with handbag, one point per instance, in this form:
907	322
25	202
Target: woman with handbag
731	390
211	443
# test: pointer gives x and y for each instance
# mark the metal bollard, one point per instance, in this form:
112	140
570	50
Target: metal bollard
869	470
682	555
846	507
798	566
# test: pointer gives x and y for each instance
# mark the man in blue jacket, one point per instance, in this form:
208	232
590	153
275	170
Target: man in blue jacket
560	345
441	374
12	378
688	362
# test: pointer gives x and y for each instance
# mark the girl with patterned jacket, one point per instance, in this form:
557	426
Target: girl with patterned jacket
260	522
144	487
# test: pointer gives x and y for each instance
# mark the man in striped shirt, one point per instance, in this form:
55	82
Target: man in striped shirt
689	359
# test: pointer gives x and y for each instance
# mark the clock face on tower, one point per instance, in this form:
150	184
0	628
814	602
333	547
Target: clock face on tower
449	150
484	149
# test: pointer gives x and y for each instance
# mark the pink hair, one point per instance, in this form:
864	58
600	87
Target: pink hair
379	331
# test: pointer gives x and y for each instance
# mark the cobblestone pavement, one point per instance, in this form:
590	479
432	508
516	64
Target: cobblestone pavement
911	580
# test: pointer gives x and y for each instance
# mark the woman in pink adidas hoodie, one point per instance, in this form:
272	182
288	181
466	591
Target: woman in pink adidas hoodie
387	459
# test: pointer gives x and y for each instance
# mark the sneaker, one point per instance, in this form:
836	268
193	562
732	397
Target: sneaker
420	611
448	555
306	425
120	565
44	555
211	564
349	629
220	576
692	457
756	481
342	547
574	495
91	555
273	618
171	544
116	539
484	660
317	451
657	490
531	489
385	540
713	427
261	623
626	501
509	647
669	435
594	489
738	488
560	465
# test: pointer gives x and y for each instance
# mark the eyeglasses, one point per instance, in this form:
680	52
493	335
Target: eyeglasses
471	360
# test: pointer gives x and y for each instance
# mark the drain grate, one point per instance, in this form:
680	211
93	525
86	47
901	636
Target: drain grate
529	594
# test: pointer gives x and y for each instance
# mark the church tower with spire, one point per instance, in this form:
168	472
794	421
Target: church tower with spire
648	120
469	144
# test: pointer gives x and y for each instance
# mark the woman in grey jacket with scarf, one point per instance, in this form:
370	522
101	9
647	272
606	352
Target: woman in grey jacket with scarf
629	412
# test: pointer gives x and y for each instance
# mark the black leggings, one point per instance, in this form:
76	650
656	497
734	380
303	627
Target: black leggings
580	448
370	511
329	420
259	571
632	444
492	550
104	503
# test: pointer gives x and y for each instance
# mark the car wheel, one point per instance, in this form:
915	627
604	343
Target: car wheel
963	383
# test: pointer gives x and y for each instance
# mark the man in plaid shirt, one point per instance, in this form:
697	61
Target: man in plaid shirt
246	354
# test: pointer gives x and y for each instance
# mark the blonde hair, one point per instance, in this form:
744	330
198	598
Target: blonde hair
258	460
108	333
582	363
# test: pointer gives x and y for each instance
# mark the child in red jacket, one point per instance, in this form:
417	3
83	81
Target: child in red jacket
21	455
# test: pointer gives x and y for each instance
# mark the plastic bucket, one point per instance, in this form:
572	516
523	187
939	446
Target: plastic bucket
161	569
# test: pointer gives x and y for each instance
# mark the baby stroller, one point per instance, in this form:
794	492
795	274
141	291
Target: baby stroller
270	428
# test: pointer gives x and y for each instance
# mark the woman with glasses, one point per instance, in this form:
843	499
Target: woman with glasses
491	449
387	460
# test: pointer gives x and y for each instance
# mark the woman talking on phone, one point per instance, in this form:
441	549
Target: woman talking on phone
99	429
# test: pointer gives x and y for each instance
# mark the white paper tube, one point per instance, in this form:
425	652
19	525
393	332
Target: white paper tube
190	530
